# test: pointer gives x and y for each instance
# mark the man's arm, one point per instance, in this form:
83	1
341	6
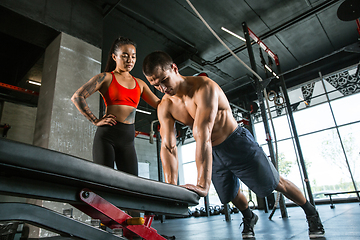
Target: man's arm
206	100
168	151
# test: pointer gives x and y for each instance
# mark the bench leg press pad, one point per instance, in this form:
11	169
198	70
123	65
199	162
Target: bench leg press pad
113	217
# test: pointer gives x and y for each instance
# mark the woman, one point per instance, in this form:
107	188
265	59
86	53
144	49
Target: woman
114	138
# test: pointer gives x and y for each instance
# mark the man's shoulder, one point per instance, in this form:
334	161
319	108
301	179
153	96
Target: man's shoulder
204	87
165	103
200	82
164	108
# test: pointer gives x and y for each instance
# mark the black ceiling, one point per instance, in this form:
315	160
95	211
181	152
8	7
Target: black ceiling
307	36
300	32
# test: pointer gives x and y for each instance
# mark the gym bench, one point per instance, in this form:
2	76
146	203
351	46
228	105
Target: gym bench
38	173
332	206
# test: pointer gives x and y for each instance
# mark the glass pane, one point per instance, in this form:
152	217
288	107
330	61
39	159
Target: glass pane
188	152
282	129
288	163
325	162
294	95
346	109
190	173
313	119
350	136
260	133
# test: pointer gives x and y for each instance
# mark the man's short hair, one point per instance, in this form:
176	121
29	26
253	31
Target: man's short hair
155	60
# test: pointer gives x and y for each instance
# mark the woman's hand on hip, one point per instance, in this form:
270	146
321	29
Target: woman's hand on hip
107	119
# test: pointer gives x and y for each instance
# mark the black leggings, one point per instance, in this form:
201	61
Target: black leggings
116	143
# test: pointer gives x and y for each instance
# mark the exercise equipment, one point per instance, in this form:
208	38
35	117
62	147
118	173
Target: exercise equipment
349	10
18	89
211	209
196	213
332	206
33	172
234	210
217	210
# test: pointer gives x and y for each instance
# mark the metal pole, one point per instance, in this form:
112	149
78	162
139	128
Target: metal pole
296	136
158	144
207	205
160	172
227	212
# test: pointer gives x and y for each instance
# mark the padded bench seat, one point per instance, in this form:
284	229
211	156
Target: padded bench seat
35	172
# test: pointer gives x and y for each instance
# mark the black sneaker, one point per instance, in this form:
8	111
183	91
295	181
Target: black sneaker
316	229
249	224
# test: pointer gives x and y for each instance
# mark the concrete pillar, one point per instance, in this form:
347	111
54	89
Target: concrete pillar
68	64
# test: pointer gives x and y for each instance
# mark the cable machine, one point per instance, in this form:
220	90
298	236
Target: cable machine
262	85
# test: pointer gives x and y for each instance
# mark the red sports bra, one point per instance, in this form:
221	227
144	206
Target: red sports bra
119	95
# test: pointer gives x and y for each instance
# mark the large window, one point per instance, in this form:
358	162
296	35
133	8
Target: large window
328	124
325	162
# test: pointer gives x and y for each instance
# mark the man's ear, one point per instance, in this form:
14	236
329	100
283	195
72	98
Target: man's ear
175	68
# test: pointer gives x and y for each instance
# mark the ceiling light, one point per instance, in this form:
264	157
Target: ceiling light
234	34
142	111
34	82
268	68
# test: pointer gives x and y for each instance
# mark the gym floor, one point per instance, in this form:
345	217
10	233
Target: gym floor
342	222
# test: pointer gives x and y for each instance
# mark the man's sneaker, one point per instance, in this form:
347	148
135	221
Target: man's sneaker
316	228
249	224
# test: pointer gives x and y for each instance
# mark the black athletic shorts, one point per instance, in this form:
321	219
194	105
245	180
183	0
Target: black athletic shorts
240	157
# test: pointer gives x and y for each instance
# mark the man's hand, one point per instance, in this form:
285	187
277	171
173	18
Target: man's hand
201	191
108	119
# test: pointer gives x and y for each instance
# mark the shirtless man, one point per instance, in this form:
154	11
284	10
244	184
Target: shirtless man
224	150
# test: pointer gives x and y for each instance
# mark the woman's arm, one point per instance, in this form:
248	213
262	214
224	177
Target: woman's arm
85	91
148	96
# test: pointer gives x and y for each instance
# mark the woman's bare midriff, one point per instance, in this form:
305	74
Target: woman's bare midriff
122	113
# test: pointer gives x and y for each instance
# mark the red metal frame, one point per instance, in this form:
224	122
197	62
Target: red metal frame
358	25
19	89
263	46
244	121
113	217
